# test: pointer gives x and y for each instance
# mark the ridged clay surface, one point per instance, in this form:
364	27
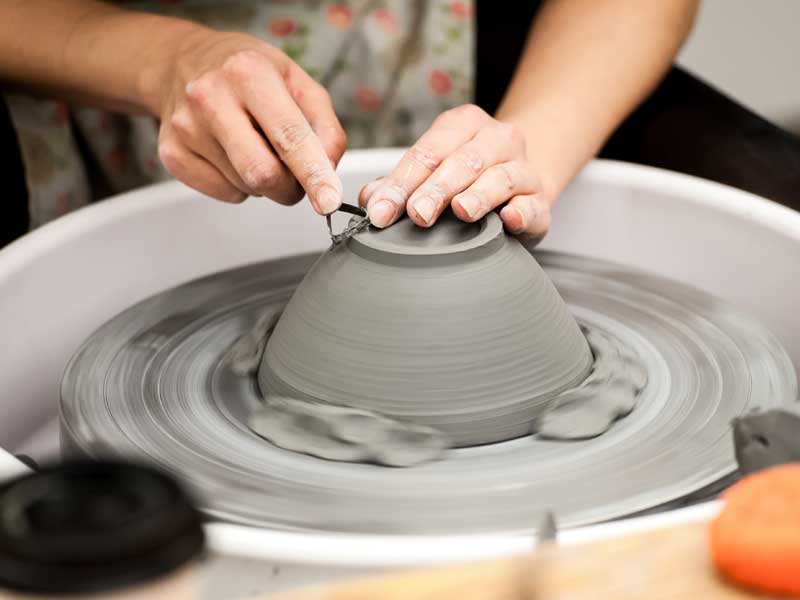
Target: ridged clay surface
156	384
456	328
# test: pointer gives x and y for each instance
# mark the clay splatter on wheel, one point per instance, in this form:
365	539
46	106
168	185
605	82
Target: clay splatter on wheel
154	383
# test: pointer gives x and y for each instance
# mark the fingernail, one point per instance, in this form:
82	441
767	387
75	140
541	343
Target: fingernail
509	213
381	213
328	199
425	208
470	203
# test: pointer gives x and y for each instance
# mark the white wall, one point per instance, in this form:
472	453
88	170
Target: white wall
750	49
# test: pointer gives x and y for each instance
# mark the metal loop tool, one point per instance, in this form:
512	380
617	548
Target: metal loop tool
359	222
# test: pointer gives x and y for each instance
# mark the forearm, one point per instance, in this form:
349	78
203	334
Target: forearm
586	65
87	50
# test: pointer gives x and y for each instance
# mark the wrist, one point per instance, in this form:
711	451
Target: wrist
160	68
541	166
550	154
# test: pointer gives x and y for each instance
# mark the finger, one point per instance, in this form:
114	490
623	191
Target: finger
527	215
448	132
198	173
315	102
495	186
246	148
366	192
274	109
493	144
199	140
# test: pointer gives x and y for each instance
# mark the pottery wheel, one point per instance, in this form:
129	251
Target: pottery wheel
153	384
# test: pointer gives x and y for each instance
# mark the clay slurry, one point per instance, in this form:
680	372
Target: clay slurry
353	435
325	430
607	394
346	434
403	342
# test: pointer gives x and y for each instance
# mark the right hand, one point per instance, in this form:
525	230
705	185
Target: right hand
239	118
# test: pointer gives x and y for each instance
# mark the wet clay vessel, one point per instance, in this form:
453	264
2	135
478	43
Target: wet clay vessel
455	327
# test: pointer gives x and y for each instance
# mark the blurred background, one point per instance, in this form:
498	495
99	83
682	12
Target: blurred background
749	49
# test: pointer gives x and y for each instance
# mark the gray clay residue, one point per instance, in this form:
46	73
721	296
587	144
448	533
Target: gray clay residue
607	394
326	430
463	333
157	384
401	343
347	434
245	356
766	439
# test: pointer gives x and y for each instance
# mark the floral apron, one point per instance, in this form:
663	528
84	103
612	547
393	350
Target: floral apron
390	66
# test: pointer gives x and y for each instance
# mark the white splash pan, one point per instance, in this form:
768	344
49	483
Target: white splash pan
59	283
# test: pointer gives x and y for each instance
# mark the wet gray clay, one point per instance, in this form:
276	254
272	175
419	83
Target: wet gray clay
346	434
455	328
766	439
609	393
245	356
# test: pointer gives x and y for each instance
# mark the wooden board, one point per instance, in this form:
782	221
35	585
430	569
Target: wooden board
664	564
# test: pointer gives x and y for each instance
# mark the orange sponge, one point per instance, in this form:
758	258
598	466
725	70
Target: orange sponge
755	540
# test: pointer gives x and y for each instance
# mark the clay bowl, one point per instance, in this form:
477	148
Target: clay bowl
455	327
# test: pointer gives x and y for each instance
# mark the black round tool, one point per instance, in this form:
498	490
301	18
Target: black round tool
91	527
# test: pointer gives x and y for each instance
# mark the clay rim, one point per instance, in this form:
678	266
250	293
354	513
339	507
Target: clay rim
490	229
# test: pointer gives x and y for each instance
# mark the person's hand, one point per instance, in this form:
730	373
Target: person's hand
467	160
239	118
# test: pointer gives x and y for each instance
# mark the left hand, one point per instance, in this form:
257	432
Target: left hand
467	160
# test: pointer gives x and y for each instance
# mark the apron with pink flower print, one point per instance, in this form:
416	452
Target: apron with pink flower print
390	66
